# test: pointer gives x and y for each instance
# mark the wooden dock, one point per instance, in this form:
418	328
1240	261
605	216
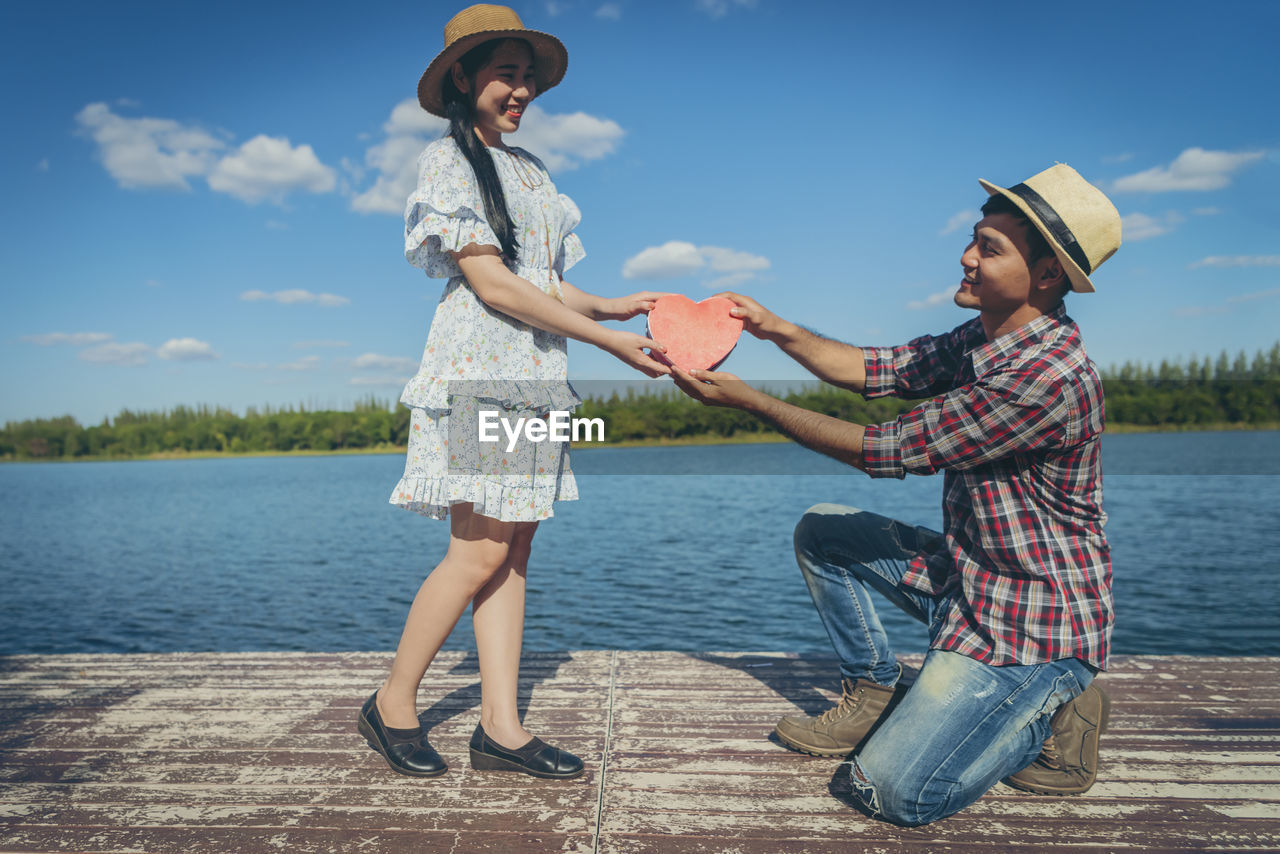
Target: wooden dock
250	752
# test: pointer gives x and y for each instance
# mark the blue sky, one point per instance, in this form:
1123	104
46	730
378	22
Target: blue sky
205	200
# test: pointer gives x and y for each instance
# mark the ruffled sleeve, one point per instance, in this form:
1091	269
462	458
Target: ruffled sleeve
445	213
571	251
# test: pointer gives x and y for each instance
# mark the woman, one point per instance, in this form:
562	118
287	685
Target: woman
488	217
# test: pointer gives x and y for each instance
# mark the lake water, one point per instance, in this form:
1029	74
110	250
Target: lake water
305	554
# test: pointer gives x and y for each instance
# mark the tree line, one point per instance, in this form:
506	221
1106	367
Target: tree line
1240	391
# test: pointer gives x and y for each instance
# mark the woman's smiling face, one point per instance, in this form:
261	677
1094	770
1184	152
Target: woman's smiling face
503	87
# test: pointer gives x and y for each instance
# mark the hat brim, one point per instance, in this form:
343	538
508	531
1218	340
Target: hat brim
550	61
1077	276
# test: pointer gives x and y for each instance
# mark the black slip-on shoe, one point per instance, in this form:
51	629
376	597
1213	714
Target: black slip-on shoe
410	755
537	758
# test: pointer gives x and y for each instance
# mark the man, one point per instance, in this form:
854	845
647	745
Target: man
1016	590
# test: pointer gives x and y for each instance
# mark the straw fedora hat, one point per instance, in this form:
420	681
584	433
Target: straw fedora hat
1080	223
475	25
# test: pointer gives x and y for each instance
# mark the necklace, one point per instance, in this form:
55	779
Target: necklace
525	171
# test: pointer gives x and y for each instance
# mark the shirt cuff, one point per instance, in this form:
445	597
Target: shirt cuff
880	450
880	371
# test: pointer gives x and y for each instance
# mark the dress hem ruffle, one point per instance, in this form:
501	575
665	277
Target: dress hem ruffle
491	497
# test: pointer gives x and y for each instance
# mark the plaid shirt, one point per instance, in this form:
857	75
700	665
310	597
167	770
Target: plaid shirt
1024	569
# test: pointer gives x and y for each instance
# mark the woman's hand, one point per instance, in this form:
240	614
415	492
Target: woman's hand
756	319
630	348
625	308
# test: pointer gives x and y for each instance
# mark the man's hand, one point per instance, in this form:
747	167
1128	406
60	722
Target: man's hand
756	319
716	388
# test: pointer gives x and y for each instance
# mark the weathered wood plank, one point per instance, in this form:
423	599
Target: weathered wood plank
291	840
200	752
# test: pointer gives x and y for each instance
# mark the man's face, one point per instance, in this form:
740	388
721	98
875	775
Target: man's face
997	279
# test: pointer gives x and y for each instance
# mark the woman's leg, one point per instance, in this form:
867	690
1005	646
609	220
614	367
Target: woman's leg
478	549
498	617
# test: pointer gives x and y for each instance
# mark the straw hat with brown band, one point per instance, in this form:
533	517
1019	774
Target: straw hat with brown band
1080	223
477	24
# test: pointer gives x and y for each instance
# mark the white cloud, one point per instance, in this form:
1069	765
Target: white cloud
729	282
43	165
555	9
732	260
151	152
293	296
959	220
277	225
720	8
1140	226
255	366
562	141
609	11
1194	169
154	283
930	301
75	339
671	259
323	342
566	140
148	152
1255	296
394	159
1117	158
374	361
268	167
1223	308
1239	261
116	353
306	363
680	258
1210	211
186	350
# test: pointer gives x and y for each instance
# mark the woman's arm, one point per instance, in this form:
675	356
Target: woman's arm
602	308
585	304
504	291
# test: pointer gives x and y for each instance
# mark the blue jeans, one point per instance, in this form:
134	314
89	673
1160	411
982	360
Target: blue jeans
963	725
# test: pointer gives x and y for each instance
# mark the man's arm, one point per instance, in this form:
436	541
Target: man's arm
837	439
832	361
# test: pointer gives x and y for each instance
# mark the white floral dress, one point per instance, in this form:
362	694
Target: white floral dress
477	358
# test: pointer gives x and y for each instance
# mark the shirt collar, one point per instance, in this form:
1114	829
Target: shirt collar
988	353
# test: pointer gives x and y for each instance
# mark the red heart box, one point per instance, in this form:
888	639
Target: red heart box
697	335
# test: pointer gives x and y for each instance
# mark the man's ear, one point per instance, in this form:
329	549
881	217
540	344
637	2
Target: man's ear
1052	275
459	79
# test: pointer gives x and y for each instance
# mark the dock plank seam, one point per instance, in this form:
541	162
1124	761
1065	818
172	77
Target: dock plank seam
604	755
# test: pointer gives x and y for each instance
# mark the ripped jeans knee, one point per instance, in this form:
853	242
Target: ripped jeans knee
889	802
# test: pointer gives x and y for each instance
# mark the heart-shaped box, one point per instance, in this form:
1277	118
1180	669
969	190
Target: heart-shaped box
697	335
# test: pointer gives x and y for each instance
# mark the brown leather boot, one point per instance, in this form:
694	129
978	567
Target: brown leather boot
1068	762
839	730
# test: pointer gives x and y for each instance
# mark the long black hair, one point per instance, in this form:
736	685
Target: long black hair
461	114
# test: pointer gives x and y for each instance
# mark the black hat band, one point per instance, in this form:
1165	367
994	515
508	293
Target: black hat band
1057	228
